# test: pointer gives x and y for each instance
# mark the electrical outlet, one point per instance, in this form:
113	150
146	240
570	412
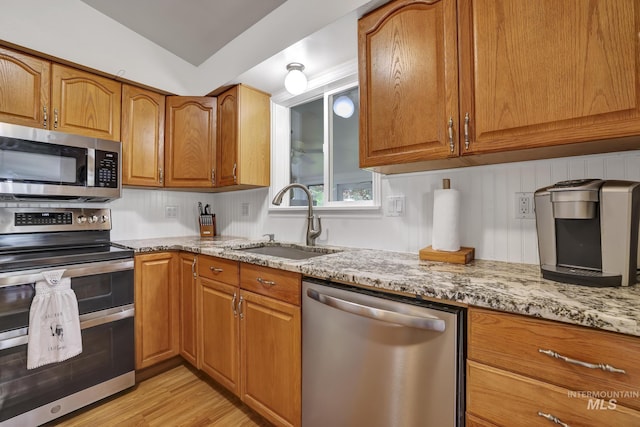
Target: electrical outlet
244	209
524	208
171	212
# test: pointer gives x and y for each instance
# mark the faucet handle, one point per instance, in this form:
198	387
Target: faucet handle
271	236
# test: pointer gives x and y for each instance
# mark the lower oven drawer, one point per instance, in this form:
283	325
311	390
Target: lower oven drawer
107	353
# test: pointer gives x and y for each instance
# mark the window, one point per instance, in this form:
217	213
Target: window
323	151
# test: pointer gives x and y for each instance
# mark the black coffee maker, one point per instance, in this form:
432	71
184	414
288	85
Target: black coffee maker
588	232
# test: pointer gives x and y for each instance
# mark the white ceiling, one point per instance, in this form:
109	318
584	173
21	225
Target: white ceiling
131	39
192	29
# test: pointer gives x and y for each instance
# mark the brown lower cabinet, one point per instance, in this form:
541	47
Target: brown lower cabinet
187	291
157	308
250	341
523	371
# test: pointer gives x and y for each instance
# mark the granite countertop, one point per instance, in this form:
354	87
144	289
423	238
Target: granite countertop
514	288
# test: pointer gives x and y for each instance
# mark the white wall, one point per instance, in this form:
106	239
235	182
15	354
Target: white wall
487	218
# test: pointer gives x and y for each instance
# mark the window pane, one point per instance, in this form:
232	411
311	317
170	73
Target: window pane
348	181
307	158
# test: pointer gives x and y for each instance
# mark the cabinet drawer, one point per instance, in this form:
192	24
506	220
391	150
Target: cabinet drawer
516	343
508	399
219	269
279	284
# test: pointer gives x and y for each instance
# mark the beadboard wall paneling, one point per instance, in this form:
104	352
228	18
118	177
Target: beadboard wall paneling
141	213
487	215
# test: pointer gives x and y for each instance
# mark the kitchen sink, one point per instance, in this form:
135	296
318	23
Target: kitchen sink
290	251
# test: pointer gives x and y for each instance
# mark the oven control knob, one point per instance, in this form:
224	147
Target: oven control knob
93	219
81	219
104	219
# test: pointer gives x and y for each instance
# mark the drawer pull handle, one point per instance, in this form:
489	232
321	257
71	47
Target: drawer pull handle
550	417
265	282
216	270
450	127
233	305
240	307
604	367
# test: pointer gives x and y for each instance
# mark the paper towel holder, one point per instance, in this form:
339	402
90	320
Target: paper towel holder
462	256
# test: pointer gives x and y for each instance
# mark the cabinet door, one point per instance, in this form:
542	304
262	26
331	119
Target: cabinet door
188	304
271	358
227	144
157	315
84	103
218	332
142	137
24	89
408	70
190	141
542	73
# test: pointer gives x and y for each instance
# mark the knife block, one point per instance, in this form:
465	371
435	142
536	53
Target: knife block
207	225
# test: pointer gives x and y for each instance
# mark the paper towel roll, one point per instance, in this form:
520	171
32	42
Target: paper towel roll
446	218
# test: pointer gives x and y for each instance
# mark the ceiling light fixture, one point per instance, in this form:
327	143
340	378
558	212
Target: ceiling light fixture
295	82
343	106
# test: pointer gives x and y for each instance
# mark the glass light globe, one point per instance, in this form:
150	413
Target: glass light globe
343	106
295	82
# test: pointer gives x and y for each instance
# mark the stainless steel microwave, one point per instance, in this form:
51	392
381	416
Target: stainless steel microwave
43	165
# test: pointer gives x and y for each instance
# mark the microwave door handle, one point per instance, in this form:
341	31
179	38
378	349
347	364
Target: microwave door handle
430	323
80	270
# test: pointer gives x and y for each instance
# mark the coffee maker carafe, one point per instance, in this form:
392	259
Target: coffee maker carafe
588	232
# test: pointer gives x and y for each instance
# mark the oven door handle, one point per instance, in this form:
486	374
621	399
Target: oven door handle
88	320
12	278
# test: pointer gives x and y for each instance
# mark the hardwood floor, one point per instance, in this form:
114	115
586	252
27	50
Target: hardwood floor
178	397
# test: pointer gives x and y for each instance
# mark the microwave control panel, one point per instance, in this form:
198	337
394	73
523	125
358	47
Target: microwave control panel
106	169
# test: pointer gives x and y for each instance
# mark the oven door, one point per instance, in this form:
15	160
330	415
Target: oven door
106	365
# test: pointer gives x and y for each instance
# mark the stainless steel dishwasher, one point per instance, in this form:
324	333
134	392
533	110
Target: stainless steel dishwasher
375	360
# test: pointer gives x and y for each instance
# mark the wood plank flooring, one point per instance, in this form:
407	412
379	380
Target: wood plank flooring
178	397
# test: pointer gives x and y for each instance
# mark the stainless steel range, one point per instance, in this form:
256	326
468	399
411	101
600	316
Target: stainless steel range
33	241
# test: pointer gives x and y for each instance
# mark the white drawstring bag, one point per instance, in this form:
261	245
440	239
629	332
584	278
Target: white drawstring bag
54	322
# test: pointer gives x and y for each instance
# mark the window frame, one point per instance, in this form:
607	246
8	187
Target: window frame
281	150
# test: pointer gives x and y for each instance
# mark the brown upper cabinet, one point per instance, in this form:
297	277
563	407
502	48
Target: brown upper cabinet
408	82
24	98
243	146
536	80
142	137
190	141
37	93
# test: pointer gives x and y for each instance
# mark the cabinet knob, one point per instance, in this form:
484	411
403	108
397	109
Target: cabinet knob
45	117
55	118
216	270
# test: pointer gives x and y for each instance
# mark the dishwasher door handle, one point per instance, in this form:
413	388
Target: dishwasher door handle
422	322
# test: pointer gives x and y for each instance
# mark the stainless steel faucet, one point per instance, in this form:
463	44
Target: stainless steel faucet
312	232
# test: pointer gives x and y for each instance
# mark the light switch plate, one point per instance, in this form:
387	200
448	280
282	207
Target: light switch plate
395	205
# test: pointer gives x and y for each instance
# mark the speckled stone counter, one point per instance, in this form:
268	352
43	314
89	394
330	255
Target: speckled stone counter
515	288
